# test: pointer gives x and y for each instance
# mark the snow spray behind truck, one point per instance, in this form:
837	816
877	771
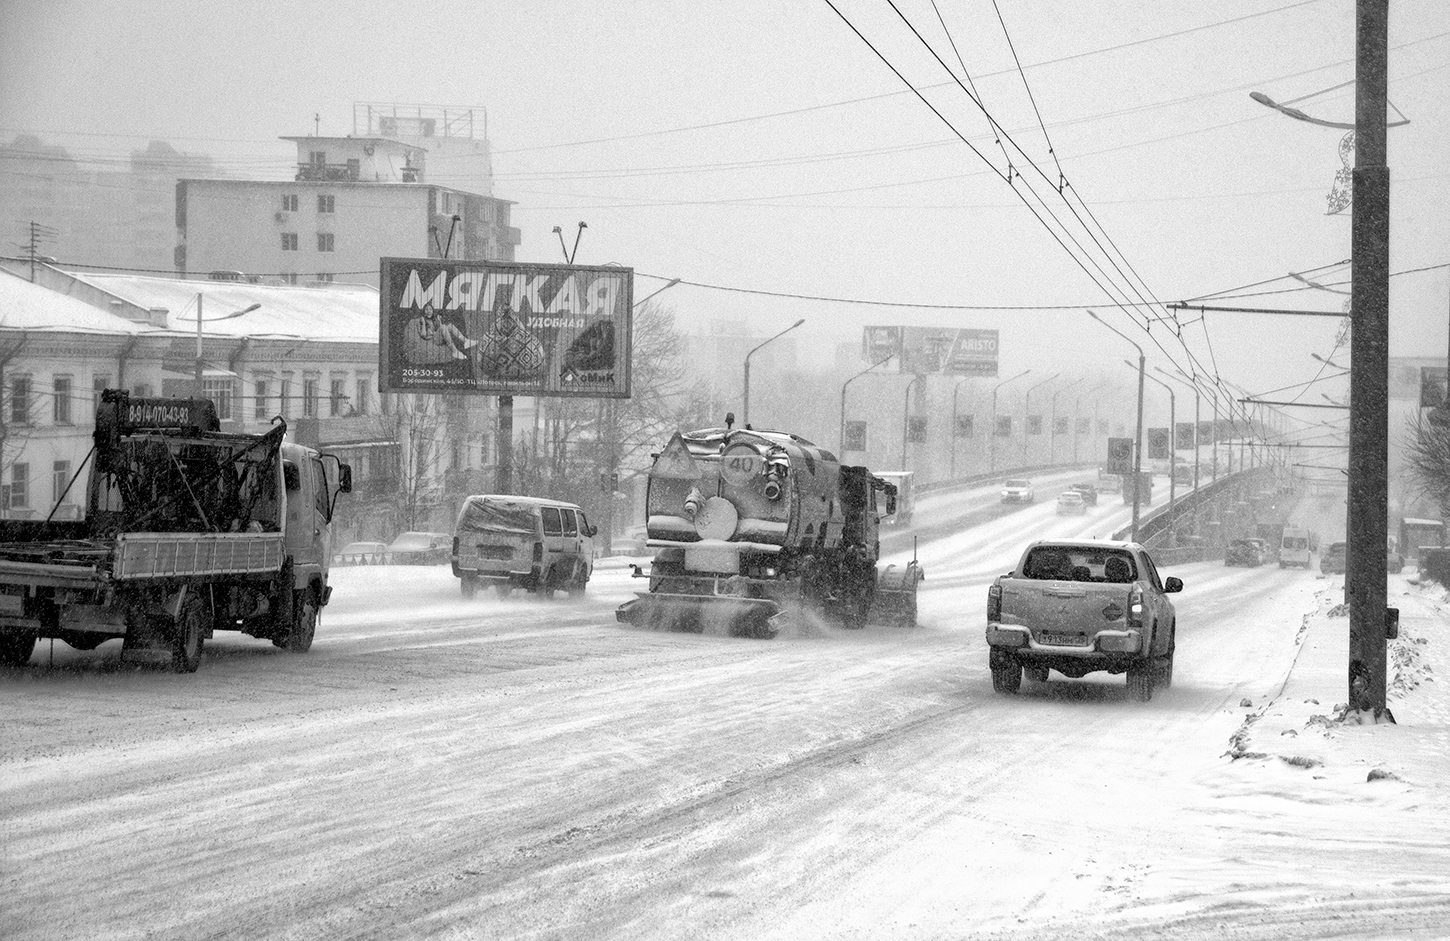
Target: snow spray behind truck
187	530
752	526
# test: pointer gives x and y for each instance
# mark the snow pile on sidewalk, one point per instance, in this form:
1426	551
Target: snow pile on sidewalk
1308	724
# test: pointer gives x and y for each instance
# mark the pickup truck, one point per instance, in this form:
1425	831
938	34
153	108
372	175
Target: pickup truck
1078	607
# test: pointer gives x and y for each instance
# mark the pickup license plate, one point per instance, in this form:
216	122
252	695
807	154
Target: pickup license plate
11	604
1062	640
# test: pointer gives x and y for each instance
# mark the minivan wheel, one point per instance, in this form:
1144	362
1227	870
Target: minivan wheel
467	587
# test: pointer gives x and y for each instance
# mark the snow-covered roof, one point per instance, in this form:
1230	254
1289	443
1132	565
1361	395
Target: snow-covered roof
344	313
30	307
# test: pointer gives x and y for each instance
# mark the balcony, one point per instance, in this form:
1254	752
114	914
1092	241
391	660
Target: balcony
329	172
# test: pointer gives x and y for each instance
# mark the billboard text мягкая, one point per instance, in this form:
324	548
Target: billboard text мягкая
505	328
955	351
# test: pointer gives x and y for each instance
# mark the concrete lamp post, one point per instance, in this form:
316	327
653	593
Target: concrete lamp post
1138	437
1196	400
1027	410
1052	446
1172	477
842	449
992	423
745	410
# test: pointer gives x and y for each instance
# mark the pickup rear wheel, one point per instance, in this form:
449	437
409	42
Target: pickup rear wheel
187	635
15	649
1140	680
1006	672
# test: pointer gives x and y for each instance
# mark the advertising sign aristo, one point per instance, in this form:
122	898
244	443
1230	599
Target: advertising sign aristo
954	351
457	327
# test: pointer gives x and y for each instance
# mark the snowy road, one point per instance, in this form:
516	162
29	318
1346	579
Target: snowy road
527	768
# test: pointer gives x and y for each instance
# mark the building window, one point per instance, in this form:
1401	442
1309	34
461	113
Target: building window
324	241
337	398
142	390
20	400
59	479
290	277
259	400
219	389
317	158
284	403
99	384
326	204
325	277
19	496
289	202
289	241
360	400
61	401
309	397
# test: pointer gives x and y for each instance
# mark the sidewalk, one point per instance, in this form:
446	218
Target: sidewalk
1306	725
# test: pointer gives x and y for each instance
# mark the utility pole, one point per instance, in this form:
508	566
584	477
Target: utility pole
1367	526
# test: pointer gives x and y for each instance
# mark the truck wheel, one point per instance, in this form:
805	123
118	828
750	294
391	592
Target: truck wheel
15	649
577	581
1140	680
468	587
304	622
1006	672
186	636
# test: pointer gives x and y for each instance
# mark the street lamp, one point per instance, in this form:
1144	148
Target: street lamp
992	425
1052	445
1138	437
843	398
746	410
199	321
1076	410
1027	408
1196	397
1172	477
953	430
906	419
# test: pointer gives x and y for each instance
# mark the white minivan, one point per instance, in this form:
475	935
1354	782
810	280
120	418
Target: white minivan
1294	547
512	542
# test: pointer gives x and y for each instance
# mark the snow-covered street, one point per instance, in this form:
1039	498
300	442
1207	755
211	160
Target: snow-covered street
436	767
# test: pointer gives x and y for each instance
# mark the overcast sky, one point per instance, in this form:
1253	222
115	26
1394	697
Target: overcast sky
766	146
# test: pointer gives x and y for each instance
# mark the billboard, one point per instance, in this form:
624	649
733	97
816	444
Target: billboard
1159	444
1120	456
923	350
1183	435
497	328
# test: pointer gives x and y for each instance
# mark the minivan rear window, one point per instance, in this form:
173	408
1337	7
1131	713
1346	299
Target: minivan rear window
497	516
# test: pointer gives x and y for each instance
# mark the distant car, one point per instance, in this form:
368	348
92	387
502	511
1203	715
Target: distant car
1089	492
1018	490
1331	560
1394	562
360	553
419	548
634	541
1247	552
1070	502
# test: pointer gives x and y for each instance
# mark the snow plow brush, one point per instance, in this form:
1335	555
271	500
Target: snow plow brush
733	615
895	601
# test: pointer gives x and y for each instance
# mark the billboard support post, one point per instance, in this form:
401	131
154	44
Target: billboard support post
504	446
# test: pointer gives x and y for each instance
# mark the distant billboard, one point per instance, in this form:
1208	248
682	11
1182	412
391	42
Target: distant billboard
1159	444
854	438
460	327
924	350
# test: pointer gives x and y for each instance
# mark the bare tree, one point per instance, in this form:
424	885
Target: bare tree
404	496
18	407
1429	454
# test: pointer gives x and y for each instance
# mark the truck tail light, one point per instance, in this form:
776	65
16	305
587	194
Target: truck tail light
538	552
1135	608
994	602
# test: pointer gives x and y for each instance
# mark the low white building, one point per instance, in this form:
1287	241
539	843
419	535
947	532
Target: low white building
56	354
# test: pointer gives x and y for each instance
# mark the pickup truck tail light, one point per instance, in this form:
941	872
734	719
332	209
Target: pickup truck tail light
1135	608
994	602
